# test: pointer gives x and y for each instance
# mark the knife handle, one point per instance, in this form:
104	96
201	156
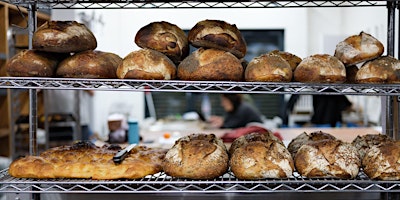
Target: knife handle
120	156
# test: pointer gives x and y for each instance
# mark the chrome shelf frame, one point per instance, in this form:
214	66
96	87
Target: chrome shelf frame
162	183
200	86
149	4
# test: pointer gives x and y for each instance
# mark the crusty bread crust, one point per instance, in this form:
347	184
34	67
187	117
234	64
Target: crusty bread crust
268	68
382	161
83	160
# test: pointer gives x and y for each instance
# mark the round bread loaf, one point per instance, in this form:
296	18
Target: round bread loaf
252	137
89	64
63	37
382	161
212	65
164	37
268	68
219	35
320	68
258	155
385	69
365	142
33	63
292	59
328	159
197	156
146	64
358	48
305	138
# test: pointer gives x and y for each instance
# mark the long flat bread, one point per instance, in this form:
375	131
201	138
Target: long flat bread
85	160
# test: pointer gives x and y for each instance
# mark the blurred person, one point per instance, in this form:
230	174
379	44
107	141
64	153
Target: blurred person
328	109
239	113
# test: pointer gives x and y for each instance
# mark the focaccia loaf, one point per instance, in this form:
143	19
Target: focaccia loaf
85	160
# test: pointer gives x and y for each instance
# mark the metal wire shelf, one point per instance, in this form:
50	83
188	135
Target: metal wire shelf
162	183
200	86
146	4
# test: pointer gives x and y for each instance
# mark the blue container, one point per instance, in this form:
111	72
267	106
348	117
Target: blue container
133	132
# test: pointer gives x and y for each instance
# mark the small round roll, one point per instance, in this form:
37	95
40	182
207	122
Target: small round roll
197	156
146	64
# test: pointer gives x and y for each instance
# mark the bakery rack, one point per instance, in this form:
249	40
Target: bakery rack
161	183
200	86
228	183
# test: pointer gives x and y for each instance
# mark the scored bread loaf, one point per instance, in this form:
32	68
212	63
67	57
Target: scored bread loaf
218	34
268	68
33	63
358	48
212	65
385	69
365	142
260	155
328	159
320	68
292	59
197	156
89	64
164	37
382	161
305	138
146	64
85	160
63	37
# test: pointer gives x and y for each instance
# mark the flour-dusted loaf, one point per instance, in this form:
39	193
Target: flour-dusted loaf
218	34
33	63
358	48
84	160
328	159
382	161
305	138
210	65
385	69
146	64
364	142
197	156
320	68
292	59
260	155
268	68
164	37
63	37
90	64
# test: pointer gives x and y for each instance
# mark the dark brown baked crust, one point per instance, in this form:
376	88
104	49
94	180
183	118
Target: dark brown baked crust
305	138
164	37
146	64
292	59
320	68
268	68
252	137
358	48
197	156
89	64
83	160
218	34
33	63
210	64
262	159
365	142
385	69
63	37
382	161
328	159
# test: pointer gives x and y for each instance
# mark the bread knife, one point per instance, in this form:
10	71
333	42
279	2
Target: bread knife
120	156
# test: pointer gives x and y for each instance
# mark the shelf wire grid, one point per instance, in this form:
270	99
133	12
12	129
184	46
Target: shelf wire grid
145	4
162	183
200	86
